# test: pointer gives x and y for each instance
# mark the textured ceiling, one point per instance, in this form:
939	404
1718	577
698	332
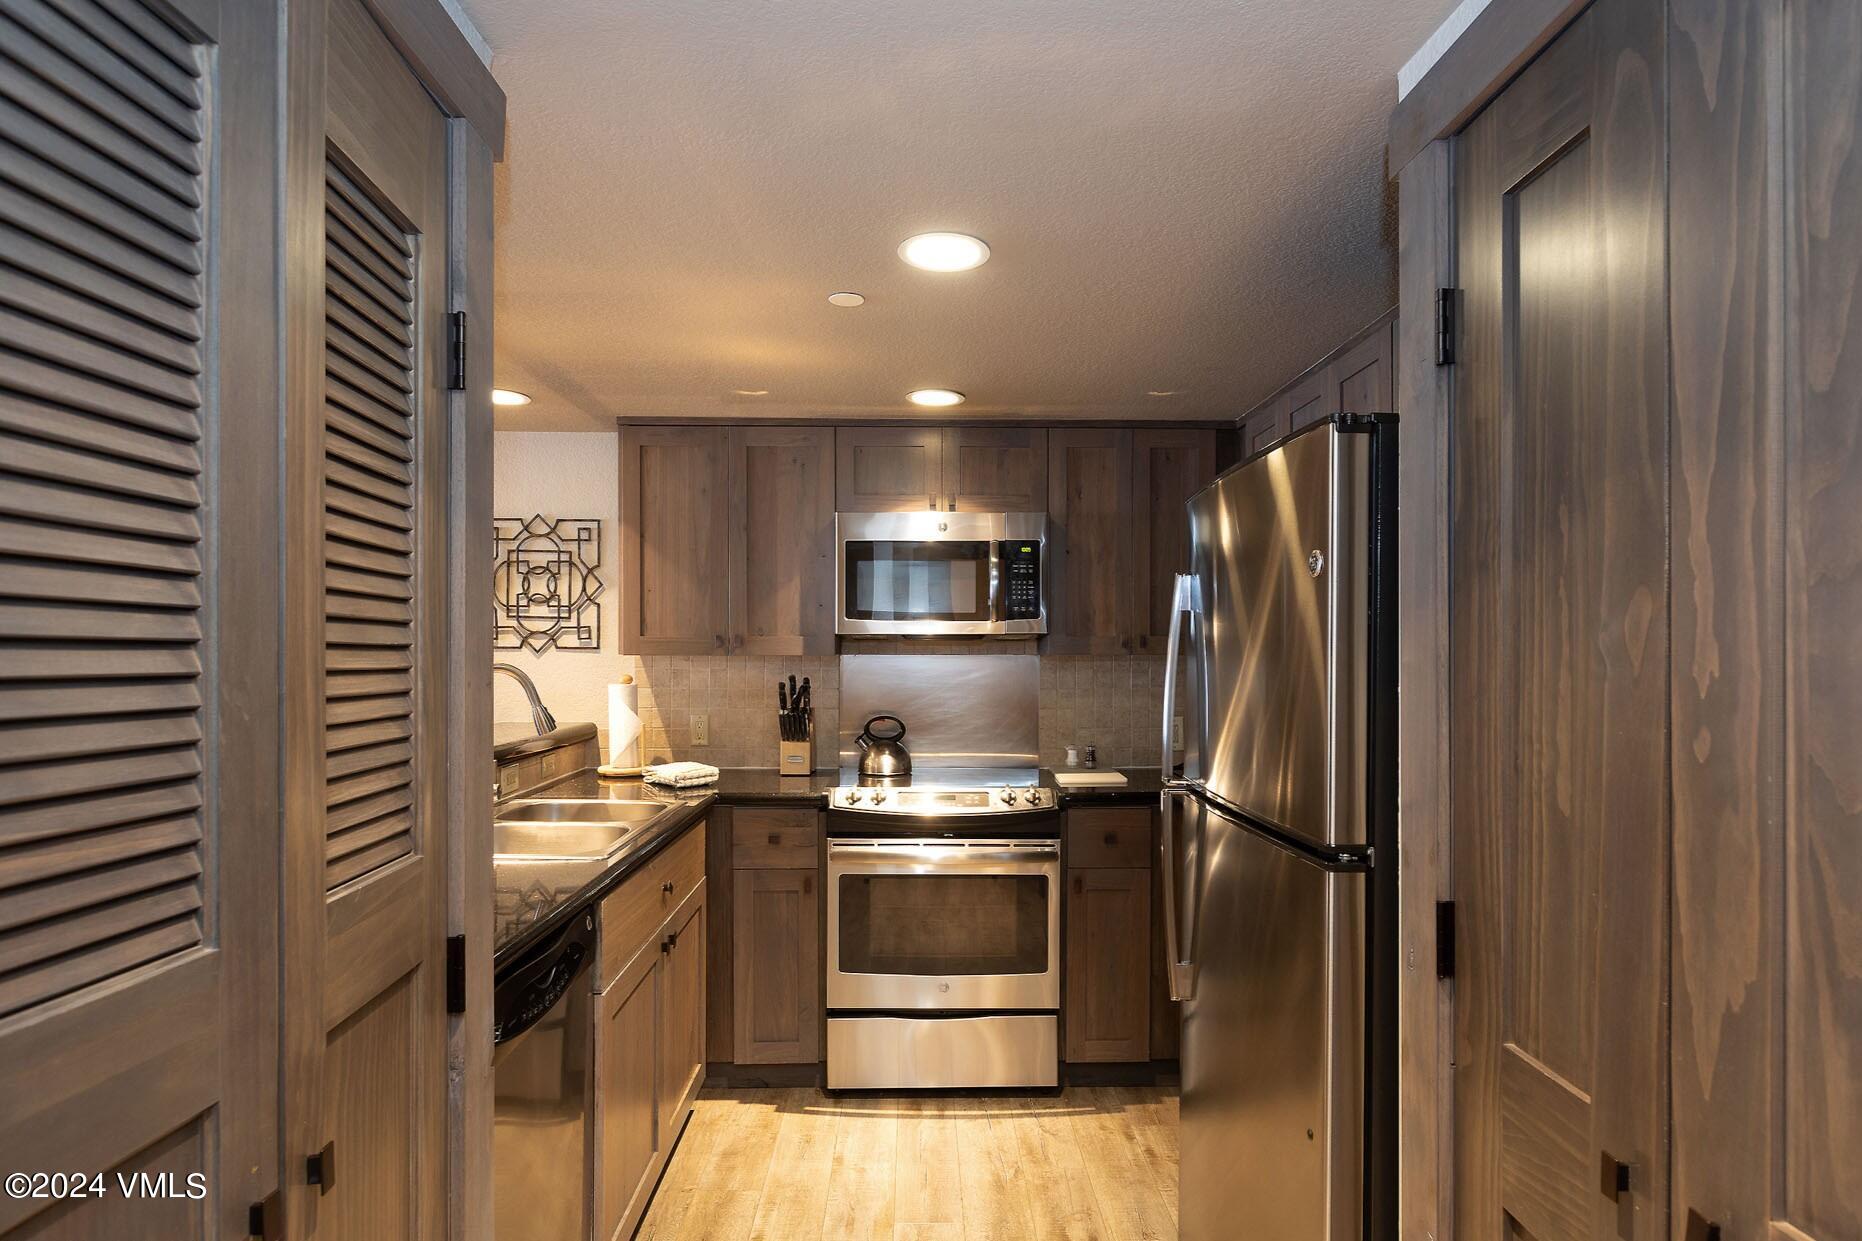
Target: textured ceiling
1181	195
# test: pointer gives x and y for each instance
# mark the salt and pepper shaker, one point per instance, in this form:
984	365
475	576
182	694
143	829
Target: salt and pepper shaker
1073	756
1092	757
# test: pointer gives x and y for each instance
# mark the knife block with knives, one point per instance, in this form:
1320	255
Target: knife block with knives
795	728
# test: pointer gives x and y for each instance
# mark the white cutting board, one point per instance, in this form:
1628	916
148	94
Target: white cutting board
1088	779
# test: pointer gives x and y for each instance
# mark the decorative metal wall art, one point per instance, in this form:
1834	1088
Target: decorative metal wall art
544	584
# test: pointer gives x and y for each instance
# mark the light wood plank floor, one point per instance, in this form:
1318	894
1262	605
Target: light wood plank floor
789	1165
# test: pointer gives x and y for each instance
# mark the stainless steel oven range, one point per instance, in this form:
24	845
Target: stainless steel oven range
943	932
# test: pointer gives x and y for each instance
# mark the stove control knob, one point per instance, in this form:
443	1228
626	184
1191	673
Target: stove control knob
879	795
853	797
1008	797
1034	797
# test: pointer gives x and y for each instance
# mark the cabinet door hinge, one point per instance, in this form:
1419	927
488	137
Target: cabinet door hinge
1444	939
1445	327
455	974
456	351
320	1169
265	1220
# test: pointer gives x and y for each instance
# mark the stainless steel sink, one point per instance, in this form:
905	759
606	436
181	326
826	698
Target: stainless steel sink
568	829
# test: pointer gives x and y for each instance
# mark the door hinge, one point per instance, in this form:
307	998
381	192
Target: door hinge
320	1169
455	974
1445	327
265	1220
456	351
1444	939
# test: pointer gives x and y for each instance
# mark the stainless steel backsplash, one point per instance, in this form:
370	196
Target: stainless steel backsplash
959	710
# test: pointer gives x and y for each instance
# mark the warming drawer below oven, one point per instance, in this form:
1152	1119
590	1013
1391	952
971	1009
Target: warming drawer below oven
943	1053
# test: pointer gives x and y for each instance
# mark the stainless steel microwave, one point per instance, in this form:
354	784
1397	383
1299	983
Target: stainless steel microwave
940	574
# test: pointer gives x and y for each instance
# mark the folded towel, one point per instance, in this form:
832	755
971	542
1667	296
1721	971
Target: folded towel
680	775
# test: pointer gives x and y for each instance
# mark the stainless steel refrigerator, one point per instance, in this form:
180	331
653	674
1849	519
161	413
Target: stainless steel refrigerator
1279	842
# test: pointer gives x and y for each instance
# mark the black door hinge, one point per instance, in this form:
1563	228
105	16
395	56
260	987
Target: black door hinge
455	974
320	1169
456	351
265	1220
1444	939
1445	327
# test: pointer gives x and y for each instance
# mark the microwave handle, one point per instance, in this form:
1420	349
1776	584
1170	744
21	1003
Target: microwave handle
998	582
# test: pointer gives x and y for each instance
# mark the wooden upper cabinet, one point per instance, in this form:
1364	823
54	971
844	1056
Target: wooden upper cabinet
995	470
781	581
1306	403
1089	543
1168	467
888	469
1362	379
952	469
675	522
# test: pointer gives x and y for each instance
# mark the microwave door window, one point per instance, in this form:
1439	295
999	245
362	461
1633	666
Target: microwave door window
918	581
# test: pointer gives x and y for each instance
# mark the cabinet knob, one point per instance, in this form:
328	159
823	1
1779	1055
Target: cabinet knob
666	887
775	838
1079	886
1700	1228
1111	838
808	884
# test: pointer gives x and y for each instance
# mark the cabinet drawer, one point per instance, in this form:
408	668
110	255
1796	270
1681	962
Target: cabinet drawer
1114	836
772	839
632	912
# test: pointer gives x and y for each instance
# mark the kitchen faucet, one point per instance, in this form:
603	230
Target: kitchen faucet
540	717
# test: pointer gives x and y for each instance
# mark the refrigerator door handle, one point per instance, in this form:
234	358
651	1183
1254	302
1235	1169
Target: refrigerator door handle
1177	943
1183	601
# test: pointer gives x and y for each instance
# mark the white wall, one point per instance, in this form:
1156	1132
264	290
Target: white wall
563	474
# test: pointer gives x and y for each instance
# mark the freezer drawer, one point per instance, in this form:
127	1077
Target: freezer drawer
1273	1042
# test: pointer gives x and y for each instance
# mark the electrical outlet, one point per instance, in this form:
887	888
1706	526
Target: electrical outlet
1176	732
701	728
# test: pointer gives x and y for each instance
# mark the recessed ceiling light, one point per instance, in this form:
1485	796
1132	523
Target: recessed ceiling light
1163	392
846	299
751	391
505	396
944	251
935	396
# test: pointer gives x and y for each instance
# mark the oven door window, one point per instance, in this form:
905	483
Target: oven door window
918	581
943	925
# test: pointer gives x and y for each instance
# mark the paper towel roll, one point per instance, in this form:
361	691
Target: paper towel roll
623	726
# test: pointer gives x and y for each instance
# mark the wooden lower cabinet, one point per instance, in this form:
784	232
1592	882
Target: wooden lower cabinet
776	965
1106	994
682	1033
627	1020
648	1056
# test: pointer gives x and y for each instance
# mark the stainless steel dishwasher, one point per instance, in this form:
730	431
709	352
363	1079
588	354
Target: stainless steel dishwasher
543	1071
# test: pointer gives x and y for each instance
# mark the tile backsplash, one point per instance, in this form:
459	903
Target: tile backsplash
1112	702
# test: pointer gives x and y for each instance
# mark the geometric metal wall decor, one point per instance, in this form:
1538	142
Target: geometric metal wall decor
545	585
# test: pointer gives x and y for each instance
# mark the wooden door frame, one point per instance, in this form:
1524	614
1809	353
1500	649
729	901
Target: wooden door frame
473	103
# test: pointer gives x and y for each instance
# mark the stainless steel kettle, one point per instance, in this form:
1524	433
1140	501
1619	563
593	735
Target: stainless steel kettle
881	753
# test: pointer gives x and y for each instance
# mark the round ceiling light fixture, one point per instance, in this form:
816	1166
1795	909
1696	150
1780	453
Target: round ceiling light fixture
846	299
944	251
938	397
508	396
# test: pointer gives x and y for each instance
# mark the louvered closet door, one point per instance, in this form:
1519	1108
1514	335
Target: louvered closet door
138	528
378	1089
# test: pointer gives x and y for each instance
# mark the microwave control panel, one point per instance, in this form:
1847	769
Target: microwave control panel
1021	576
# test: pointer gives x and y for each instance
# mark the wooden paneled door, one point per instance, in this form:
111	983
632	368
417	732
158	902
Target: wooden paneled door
888	469
366	873
1559	644
138	605
995	469
1168	467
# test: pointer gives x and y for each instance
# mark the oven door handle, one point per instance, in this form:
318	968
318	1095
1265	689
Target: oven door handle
865	857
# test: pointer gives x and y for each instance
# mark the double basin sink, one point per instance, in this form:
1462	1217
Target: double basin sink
569	828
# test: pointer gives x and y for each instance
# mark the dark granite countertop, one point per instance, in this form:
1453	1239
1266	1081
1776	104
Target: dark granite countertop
533	896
